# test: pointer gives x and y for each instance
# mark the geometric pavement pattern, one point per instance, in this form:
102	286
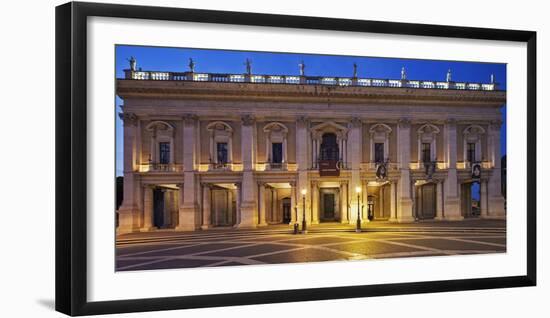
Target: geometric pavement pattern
327	242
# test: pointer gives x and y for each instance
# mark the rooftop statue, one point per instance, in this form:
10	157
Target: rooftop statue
403	74
302	66
248	65
191	65
133	63
492	78
449	75
354	70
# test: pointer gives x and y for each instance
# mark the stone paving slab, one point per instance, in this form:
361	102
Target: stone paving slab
444	244
230	247
304	255
372	248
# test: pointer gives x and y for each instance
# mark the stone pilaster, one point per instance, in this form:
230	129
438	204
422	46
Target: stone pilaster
247	142
494	186
248	216
189	213
439	201
206	207
238	200
355	142
129	213
452	199
189	141
147	209
262	207
483	198
344	202
293	206
393	201
404	198
315	202
302	148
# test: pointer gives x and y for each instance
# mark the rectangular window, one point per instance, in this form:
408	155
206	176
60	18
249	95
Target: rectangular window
426	152
164	152
471	152
222	152
379	152
276	152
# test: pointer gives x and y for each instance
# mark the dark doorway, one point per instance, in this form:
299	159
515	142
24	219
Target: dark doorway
328	204
286	210
158	208
470	200
277	151
426	201
329	148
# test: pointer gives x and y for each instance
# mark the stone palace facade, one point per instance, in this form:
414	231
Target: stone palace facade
244	150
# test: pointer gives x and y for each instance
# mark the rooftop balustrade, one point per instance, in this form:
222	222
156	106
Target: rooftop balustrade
305	80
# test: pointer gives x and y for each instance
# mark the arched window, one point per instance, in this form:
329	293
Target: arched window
472	143
221	143
338	135
427	145
276	144
379	143
329	148
162	143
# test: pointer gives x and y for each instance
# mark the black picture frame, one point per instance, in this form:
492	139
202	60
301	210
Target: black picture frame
71	157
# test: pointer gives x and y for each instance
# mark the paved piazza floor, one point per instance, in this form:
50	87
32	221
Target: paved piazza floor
327	242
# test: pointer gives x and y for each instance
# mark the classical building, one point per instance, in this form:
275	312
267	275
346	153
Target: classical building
244	150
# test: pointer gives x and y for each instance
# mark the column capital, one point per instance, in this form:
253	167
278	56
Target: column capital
206	184
238	184
495	125
356	122
302	120
404	123
450	121
247	120
292	184
128	119
189	118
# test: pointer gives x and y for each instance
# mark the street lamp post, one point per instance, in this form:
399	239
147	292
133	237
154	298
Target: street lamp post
358	224
304	223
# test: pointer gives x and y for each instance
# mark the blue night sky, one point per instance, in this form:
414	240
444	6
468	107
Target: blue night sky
223	61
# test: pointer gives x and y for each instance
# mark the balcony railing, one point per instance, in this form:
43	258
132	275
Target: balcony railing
468	165
161	167
340	164
373	165
306	80
276	166
220	166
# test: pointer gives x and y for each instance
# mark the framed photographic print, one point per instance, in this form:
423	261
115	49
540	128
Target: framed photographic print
209	158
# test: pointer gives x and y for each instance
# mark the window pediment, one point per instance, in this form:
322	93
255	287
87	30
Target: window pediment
329	127
159	127
220	127
474	130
